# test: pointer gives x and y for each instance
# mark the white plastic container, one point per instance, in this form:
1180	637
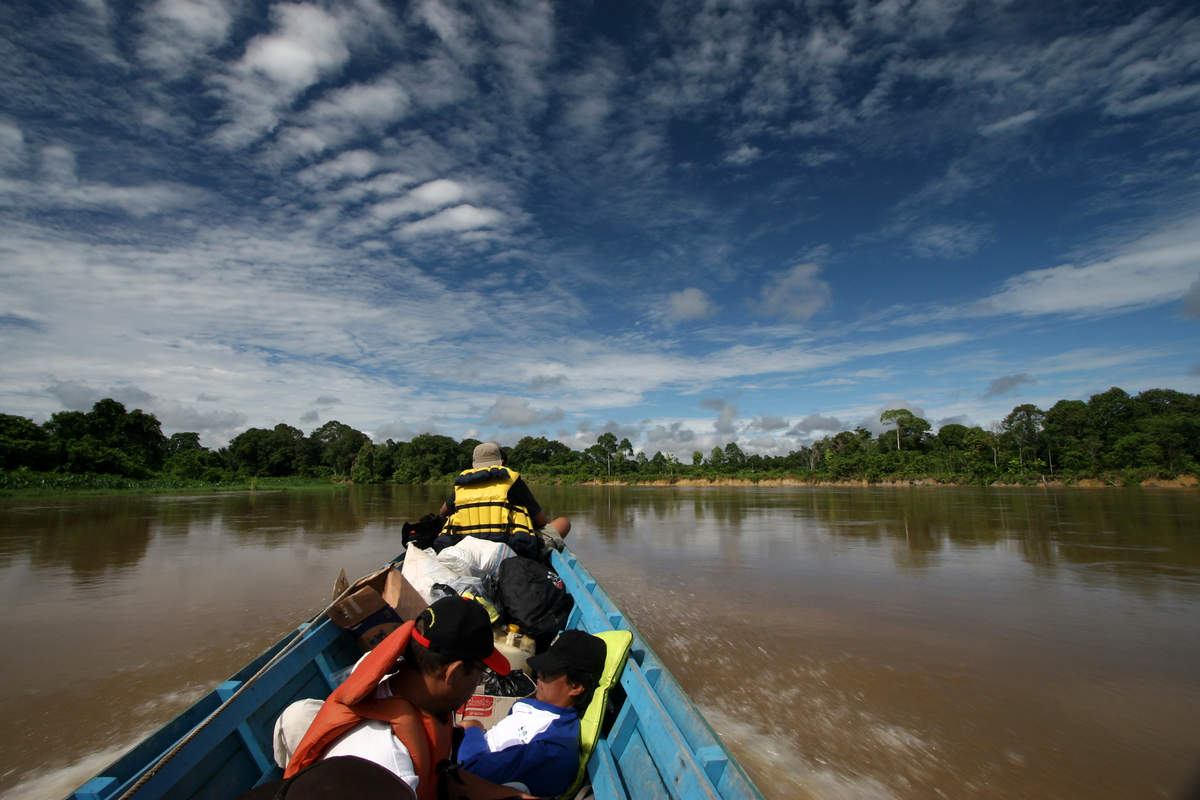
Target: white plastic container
515	646
515	655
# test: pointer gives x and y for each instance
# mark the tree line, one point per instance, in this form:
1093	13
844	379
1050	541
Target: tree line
1112	435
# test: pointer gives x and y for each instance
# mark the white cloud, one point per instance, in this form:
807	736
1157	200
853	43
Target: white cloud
1191	301
350	164
1157	268
214	427
588	95
76	396
344	114
744	155
547	383
688	304
1156	101
306	45
12	145
816	424
455	29
176	32
65	193
378	102
672	437
796	294
453	220
513	412
58	164
726	413
818	157
1009	123
423	199
769	423
950	240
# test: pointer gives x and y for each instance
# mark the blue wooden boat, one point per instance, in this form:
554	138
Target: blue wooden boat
658	746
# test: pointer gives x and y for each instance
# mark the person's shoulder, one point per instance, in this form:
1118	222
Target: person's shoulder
519	485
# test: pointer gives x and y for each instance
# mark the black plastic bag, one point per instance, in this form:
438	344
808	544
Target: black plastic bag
514	684
422	532
533	596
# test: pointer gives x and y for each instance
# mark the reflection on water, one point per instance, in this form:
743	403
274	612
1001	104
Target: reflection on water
844	642
1134	534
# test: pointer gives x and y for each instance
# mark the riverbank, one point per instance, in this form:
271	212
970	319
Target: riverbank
1184	481
21	483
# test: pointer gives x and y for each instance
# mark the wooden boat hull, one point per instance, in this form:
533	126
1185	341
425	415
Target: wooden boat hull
659	746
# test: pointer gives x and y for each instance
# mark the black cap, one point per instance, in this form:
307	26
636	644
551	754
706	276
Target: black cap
460	630
335	778
580	654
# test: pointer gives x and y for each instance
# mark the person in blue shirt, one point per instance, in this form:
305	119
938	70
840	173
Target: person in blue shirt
536	747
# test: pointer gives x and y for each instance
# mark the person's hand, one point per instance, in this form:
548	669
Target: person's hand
461	785
471	723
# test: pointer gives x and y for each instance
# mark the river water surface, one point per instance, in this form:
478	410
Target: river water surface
845	643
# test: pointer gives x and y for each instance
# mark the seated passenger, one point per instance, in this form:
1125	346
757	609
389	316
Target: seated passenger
491	501
536	747
396	707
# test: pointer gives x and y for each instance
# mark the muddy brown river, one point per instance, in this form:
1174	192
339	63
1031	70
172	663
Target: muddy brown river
845	643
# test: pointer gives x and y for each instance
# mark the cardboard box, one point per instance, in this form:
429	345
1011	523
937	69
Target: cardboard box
486	709
376	606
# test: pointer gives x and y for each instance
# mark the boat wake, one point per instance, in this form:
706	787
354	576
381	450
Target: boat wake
779	769
62	781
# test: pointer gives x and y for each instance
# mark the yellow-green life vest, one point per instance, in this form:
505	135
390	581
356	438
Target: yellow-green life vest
481	506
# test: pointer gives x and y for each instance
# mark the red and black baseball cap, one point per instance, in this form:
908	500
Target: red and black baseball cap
460	630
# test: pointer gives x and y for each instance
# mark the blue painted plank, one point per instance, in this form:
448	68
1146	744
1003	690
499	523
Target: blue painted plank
603	774
598	612
713	761
670	750
255	749
640	774
623	727
221	727
95	789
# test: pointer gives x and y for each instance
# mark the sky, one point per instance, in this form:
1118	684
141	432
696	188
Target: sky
687	223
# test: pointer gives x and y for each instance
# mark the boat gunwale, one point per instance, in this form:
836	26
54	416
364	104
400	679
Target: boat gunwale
690	759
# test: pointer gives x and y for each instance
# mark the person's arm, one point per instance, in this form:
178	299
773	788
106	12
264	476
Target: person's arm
474	742
544	765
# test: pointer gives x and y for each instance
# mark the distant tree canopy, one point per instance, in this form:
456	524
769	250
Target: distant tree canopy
107	439
1156	433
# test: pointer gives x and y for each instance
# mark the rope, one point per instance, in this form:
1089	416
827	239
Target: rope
167	756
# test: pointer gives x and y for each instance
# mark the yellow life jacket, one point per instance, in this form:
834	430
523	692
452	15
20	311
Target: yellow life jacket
481	506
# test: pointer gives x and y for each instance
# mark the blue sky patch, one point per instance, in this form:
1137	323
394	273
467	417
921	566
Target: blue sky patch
686	223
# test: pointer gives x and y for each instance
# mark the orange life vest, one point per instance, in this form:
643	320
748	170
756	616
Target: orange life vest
427	738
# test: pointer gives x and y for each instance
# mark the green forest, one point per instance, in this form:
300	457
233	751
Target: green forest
1113	437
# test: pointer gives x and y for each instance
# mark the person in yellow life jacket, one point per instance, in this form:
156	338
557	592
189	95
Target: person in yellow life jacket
396	708
491	501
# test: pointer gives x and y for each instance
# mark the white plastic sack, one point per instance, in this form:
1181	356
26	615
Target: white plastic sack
423	570
290	728
476	557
